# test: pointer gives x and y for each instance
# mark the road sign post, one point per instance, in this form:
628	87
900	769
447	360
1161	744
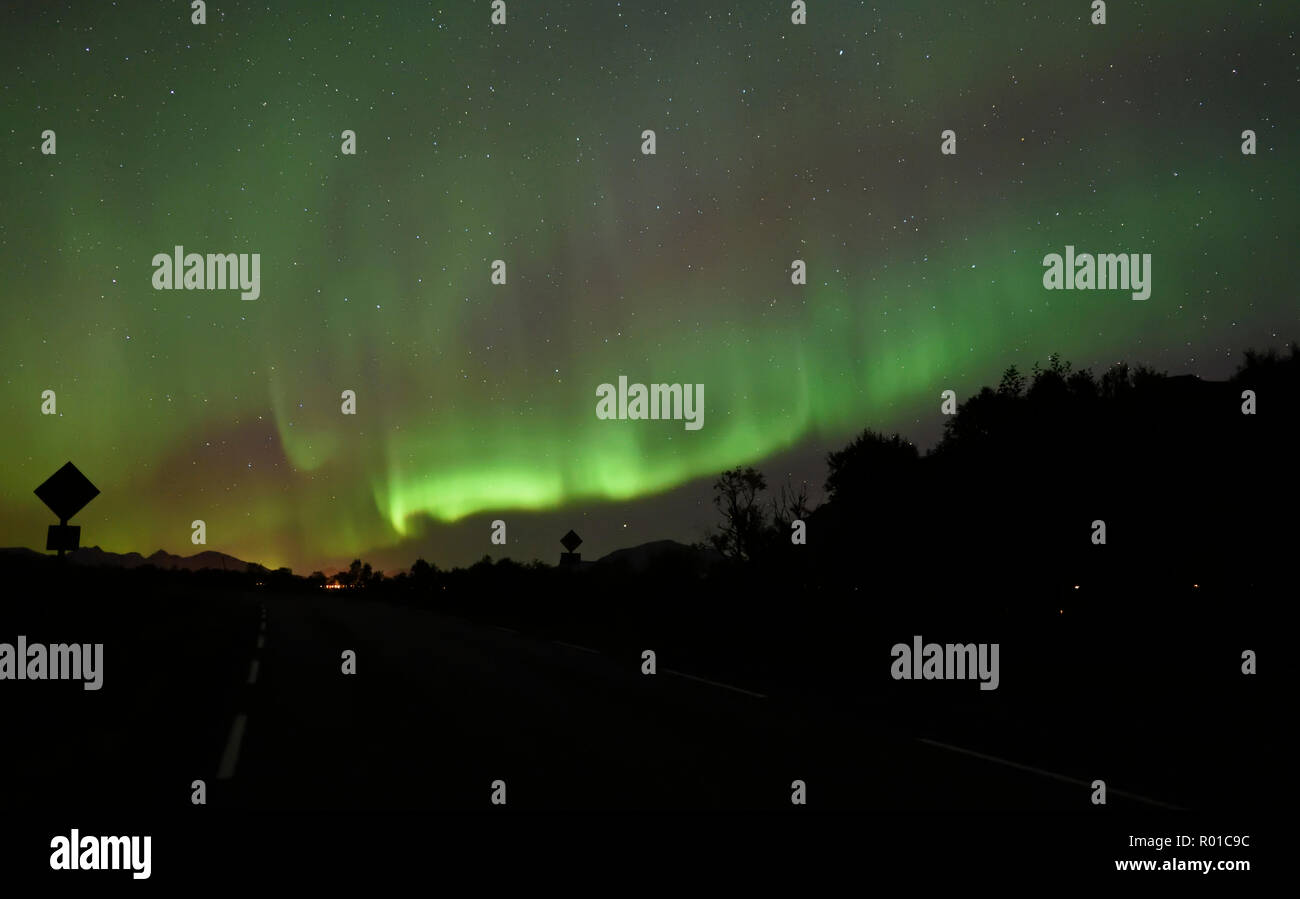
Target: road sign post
66	493
571	542
63	537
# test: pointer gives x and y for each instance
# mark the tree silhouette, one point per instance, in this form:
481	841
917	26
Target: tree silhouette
423	573
1012	383
853	472
791	505
351	577
744	521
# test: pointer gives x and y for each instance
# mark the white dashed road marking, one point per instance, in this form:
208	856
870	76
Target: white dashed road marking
1042	773
714	683
230	757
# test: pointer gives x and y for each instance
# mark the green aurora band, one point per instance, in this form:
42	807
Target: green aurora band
924	271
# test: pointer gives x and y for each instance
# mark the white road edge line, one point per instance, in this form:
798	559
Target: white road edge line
230	757
1051	774
252	671
576	646
713	683
506	629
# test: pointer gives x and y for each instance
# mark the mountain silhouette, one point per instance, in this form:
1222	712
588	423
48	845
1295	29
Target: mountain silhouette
93	556
657	553
638	559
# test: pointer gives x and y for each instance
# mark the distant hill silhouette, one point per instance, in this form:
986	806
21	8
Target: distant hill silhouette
93	556
640	559
637	559
988	537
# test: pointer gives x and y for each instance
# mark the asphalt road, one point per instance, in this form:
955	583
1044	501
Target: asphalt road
440	708
247	693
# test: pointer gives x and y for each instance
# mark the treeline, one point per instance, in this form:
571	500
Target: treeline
989	536
1174	473
1006	505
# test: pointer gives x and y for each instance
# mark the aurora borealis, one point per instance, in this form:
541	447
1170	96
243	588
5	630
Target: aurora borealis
522	143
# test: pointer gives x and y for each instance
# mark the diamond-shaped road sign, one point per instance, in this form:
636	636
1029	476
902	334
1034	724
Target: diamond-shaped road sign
66	492
571	541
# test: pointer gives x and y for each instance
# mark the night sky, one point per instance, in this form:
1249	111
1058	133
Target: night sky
522	142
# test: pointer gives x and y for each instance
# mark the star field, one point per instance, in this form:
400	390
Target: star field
522	143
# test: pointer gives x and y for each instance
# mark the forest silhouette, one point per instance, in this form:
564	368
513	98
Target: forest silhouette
987	537
999	515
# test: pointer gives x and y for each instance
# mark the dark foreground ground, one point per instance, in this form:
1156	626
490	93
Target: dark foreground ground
440	707
244	691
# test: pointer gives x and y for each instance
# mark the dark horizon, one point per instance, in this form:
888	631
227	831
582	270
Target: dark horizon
896	405
472	536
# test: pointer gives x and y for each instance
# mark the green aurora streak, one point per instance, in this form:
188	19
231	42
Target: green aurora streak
924	272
